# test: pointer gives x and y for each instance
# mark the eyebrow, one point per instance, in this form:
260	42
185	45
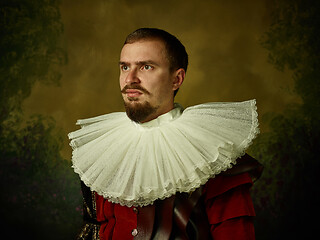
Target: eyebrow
147	62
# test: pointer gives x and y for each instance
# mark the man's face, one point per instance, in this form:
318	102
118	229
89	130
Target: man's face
146	82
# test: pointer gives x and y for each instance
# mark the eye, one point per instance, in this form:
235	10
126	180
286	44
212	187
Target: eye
124	67
147	67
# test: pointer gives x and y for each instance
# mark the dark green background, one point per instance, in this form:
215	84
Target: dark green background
59	63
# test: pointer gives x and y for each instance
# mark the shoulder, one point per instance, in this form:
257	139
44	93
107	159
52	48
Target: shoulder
221	184
245	171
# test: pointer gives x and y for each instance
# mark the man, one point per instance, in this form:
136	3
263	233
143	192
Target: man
159	171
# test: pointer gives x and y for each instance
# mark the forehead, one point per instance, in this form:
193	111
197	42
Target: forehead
144	50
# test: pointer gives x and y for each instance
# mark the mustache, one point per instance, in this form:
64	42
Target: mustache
137	87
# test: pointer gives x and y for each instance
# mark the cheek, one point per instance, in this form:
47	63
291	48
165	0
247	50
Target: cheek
121	82
164	88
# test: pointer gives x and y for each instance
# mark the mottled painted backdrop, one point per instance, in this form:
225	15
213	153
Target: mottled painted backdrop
222	37
59	62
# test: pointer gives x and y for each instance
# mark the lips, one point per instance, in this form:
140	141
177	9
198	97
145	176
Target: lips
133	93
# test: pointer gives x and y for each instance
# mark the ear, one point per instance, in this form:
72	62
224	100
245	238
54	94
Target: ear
179	76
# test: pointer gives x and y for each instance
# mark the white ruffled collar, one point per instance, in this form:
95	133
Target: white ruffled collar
135	164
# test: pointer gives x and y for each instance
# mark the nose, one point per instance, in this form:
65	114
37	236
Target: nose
132	77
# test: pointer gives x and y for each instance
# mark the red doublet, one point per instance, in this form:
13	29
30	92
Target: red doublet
228	206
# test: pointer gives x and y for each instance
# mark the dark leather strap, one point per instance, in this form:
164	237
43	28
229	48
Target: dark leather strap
146	216
184	204
163	221
198	227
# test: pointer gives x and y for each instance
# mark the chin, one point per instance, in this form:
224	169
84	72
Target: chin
139	111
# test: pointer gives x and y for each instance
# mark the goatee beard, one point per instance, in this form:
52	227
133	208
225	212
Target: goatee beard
138	112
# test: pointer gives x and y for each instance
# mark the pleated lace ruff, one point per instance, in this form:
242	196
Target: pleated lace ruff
135	164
